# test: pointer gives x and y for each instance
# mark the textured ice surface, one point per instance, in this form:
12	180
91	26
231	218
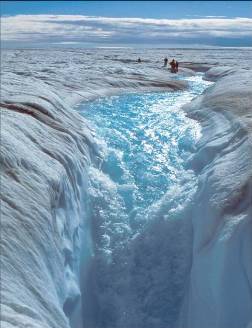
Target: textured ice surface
47	149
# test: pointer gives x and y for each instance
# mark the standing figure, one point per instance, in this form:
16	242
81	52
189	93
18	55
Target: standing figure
139	60
176	66
165	61
173	66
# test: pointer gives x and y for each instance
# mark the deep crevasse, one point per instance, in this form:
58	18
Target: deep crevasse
141	198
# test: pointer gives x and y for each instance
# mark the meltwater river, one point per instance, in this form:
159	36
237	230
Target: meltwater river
139	202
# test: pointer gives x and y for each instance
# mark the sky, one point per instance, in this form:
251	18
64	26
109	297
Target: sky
126	23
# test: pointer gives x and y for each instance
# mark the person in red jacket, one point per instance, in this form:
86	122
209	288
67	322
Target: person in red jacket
173	66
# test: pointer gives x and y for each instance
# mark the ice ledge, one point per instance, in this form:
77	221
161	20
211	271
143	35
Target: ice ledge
215	73
219	293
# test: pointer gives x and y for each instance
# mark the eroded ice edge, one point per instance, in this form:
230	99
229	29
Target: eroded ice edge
48	240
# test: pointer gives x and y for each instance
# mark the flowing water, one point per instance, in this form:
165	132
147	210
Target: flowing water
139	199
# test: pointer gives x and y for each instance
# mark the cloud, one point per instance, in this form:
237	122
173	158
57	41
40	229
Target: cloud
200	16
70	29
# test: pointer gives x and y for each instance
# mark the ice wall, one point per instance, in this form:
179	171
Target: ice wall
45	150
220	289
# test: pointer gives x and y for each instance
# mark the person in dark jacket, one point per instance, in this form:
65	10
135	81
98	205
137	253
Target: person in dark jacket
176	66
165	61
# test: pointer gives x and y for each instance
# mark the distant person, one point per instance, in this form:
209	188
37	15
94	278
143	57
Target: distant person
173	66
165	61
176	66
139	60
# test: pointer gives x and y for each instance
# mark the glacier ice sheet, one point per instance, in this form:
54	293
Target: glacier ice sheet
43	199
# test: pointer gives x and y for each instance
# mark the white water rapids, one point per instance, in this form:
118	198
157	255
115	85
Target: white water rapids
140	198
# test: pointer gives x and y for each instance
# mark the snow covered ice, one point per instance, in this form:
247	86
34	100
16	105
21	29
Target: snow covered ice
101	227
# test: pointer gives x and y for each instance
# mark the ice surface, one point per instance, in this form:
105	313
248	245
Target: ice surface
47	149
